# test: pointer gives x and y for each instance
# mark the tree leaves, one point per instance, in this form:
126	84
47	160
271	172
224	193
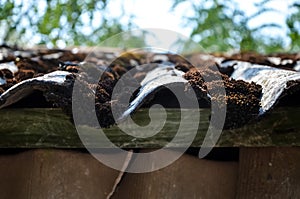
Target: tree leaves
222	26
293	23
58	20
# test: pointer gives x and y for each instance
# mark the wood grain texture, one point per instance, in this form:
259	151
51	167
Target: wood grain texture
44	128
188	177
56	174
271	172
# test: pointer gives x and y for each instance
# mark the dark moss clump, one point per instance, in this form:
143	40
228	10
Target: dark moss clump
290	95
1	90
9	78
242	99
103	102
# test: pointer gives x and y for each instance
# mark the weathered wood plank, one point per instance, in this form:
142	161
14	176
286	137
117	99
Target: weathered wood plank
188	177
48	173
40	128
36	128
269	172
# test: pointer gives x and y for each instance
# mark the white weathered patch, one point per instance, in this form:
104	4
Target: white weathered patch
56	76
279	61
207	57
10	66
2	81
53	55
272	80
23	53
275	60
286	61
75	50
228	64
162	57
297	67
162	75
24	88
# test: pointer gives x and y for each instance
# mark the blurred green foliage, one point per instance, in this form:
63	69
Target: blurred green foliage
293	23
217	25
54	22
222	26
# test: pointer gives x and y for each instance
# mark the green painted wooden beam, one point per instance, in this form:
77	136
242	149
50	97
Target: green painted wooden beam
51	128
